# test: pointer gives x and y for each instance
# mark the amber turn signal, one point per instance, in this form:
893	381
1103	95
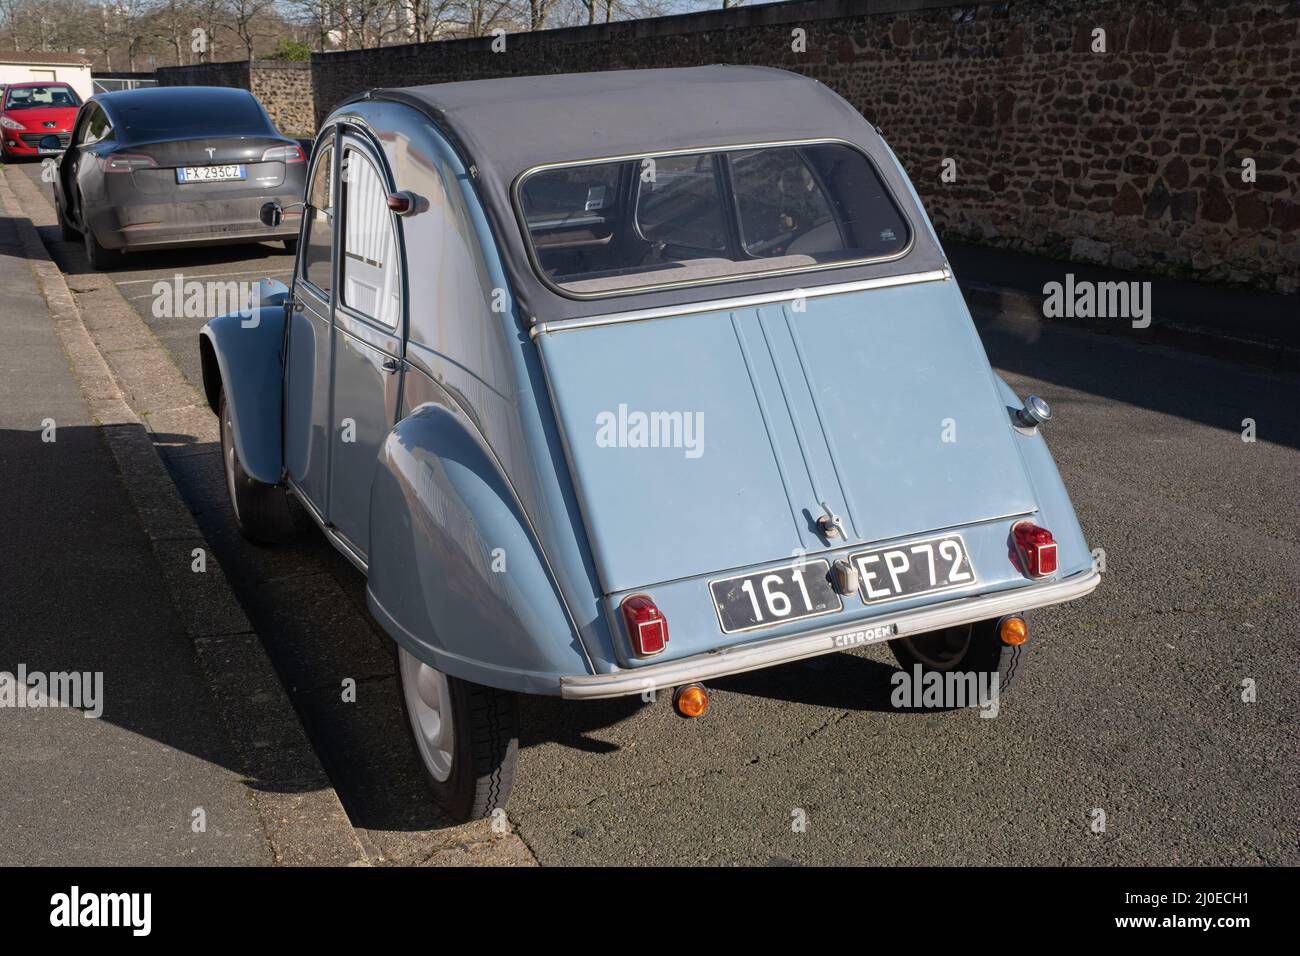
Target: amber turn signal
691	700
1013	631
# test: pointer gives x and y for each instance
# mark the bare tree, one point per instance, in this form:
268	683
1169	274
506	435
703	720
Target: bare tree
245	21
481	17
319	18
209	15
538	10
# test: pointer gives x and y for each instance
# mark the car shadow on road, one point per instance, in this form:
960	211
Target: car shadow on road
194	260
1122	369
842	681
307	604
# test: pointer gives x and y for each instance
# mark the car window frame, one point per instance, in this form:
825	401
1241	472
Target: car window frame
720	185
900	207
83	127
326	145
351	138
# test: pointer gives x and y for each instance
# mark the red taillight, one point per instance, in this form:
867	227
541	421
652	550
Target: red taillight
285	154
646	625
125	162
1036	548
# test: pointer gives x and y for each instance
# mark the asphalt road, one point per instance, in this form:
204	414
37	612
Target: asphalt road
1131	704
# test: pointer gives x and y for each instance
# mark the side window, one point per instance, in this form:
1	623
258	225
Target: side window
680	205
320	236
371	283
780	202
96	127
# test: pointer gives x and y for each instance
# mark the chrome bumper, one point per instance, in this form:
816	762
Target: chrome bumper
758	654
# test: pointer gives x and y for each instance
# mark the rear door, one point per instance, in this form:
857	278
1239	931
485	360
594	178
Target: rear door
311	334
368	340
713	441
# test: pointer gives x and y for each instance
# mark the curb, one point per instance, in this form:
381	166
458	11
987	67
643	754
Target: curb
302	817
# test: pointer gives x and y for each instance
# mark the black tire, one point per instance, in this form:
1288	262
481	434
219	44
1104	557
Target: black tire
261	510
485	749
67	231
969	648
291	246
100	258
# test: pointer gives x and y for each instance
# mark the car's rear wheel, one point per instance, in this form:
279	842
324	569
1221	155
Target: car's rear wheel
100	258
968	648
466	735
261	510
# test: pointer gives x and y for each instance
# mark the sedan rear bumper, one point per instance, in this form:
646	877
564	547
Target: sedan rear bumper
156	225
759	654
148	209
135	240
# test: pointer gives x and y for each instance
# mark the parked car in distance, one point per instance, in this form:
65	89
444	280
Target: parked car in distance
166	167
30	113
610	397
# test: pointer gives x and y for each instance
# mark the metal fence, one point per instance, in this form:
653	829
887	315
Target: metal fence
112	84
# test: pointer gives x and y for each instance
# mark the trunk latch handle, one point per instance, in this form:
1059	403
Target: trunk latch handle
829	525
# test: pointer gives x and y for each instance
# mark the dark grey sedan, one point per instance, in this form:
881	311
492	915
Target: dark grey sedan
175	166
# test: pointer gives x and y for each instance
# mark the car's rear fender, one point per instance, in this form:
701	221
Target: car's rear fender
243	353
457	576
1055	512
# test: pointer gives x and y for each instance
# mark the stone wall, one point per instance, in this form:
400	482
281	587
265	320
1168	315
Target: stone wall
1130	157
284	87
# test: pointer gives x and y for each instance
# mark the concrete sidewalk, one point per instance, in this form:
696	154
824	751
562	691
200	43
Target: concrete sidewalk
160	776
81	590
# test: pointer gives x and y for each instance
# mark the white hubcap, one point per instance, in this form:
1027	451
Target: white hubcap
428	703
228	444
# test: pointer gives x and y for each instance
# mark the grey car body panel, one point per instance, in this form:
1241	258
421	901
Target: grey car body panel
459	579
244	355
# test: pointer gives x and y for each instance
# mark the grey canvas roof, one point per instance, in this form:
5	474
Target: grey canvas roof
507	126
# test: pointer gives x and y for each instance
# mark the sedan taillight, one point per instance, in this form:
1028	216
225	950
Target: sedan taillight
125	162
646	625
285	154
1036	547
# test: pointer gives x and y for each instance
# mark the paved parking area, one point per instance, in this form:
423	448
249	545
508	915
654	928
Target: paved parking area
1131	704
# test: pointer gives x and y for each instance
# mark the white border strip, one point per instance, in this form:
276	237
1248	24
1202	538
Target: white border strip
744	302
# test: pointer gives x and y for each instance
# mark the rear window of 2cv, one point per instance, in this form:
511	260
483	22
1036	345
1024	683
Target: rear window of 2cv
617	226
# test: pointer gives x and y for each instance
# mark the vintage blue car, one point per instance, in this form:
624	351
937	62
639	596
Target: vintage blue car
614	383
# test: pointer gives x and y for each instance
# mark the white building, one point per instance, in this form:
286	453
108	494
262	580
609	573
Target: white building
38	67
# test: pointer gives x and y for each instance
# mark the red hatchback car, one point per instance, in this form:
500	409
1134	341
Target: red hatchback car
32	111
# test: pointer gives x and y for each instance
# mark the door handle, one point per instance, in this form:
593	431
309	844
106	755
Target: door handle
391	365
